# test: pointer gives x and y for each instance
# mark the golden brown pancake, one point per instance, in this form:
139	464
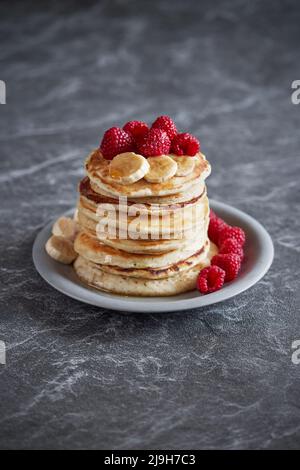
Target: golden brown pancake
91	274
97	169
143	225
97	252
143	246
90	199
161	273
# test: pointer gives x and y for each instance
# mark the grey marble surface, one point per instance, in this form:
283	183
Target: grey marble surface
82	377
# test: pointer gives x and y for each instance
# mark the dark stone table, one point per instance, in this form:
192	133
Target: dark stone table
82	377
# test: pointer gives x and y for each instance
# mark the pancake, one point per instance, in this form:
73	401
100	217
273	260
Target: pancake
143	225
199	258
93	250
141	246
97	169
133	210
179	198
144	244
91	274
177	201
91	200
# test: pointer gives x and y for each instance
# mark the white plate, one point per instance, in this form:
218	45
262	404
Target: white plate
259	254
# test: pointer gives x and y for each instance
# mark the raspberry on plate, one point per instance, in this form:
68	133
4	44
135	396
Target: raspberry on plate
165	123
231	245
210	279
230	263
115	141
185	144
156	142
137	129
214	229
232	232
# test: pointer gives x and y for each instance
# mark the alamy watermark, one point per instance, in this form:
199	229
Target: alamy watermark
2	353
295	97
296	353
141	221
2	92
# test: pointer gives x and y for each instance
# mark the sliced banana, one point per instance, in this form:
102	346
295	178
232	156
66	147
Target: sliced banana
161	169
75	216
185	165
61	249
65	227
127	168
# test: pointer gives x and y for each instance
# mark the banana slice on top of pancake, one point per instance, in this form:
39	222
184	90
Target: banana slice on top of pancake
128	168
61	249
162	168
185	164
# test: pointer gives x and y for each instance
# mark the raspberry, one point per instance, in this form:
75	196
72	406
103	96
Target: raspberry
210	279
165	123
232	232
231	264
185	144
137	129
216	225
231	245
115	141
156	142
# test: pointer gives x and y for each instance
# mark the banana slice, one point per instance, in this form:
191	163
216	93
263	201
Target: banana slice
185	165
75	216
66	228
61	249
128	167
161	169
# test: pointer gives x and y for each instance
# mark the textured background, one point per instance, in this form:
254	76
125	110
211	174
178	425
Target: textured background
82	377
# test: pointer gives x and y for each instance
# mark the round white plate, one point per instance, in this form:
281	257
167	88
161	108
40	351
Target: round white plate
259	254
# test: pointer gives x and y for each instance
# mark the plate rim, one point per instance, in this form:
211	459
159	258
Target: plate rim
136	304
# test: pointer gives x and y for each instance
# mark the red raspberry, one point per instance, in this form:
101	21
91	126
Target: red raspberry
231	245
137	129
115	141
232	232
210	279
231	264
156	142
216	225
185	144
165	123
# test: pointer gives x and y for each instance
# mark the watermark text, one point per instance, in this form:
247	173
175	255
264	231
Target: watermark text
296	353
2	92
2	353
295	97
141	221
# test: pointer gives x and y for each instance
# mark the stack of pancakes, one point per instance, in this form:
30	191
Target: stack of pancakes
157	239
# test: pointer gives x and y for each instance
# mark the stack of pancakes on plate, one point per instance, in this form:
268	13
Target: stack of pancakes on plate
157	239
